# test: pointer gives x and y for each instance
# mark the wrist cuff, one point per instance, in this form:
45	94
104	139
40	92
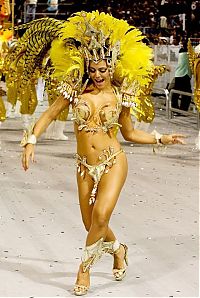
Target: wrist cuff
32	139
28	139
157	136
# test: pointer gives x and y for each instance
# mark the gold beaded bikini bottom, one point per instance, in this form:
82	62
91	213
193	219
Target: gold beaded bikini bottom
108	158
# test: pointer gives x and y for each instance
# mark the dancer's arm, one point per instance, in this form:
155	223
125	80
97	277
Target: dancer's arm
49	115
40	126
139	136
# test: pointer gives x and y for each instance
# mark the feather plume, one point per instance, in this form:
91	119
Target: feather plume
67	61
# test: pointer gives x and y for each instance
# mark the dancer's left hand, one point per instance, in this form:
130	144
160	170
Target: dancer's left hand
173	139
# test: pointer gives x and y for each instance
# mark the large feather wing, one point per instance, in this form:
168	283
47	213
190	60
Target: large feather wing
33	46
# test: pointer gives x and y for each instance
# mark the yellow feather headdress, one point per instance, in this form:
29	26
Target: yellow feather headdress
96	36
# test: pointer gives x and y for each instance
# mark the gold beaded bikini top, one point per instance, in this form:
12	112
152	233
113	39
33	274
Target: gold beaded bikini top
104	118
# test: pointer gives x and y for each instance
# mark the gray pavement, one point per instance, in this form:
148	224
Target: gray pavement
42	235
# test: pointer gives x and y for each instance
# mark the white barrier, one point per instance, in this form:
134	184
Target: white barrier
170	109
168	55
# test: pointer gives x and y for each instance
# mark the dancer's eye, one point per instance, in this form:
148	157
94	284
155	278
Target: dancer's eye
102	70
92	70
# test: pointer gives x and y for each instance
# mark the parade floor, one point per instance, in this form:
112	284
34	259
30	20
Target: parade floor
42	236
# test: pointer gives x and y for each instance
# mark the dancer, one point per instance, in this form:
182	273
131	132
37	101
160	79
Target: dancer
2	106
55	131
100	63
194	59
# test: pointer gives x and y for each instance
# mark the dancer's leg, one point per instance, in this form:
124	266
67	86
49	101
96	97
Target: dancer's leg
109	189
85	185
96	217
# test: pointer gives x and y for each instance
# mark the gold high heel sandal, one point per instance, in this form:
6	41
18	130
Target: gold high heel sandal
80	290
119	274
91	255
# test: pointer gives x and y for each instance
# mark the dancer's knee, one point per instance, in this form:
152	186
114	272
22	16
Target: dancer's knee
100	219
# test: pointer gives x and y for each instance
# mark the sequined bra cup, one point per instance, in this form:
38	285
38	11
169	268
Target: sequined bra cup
104	118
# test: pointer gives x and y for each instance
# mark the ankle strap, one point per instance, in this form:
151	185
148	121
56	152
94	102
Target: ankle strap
111	247
92	254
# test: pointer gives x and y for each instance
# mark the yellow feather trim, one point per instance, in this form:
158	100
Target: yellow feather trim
67	61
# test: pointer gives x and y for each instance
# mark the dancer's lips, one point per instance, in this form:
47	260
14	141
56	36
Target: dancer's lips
99	81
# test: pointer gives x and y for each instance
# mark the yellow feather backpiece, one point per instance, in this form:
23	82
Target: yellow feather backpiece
191	54
194	60
197	82
144	108
72	44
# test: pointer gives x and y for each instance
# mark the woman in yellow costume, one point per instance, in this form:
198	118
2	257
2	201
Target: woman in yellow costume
25	98
2	106
100	63
2	92
194	59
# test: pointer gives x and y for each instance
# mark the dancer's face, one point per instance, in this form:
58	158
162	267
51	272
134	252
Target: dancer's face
99	74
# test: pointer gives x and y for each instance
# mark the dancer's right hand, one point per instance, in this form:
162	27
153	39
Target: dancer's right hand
28	154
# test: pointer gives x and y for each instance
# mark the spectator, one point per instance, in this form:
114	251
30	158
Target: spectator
163	22
182	80
161	16
30	10
52	6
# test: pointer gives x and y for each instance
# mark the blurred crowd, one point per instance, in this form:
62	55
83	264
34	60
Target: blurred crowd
162	21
